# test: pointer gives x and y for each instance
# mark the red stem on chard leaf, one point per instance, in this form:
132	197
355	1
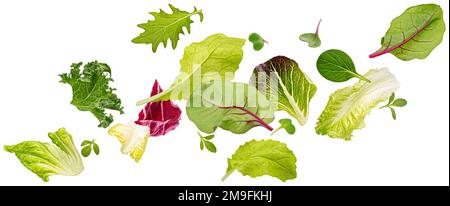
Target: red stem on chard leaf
317	28
257	119
406	40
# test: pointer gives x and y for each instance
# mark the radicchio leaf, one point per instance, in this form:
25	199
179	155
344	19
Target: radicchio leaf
161	117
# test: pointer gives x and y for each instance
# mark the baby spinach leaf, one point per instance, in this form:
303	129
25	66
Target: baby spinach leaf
414	34
287	125
285	85
236	107
166	26
210	59
91	90
264	157
312	39
336	66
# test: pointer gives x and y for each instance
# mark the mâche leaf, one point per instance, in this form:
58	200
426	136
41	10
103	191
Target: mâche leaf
204	61
414	34
286	86
235	107
264	157
347	107
336	66
166	26
45	159
91	91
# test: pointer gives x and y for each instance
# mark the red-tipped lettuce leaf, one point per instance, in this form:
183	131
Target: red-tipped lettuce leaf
161	117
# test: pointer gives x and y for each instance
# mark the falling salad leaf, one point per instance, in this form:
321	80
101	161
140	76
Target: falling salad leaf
287	125
91	91
166	26
336	66
264	157
312	39
160	117
414	34
400	102
46	159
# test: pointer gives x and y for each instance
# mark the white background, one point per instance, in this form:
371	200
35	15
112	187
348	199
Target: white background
40	39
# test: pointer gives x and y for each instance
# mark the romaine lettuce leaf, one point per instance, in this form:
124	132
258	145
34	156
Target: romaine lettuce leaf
45	159
347	107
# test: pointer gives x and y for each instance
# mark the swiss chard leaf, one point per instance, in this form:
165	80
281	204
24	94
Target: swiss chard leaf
414	34
91	90
210	59
235	107
166	26
347	107
264	157
286	86
336	66
160	117
45	159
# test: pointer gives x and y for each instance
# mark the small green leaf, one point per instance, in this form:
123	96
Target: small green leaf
257	40
202	145
312	39
209	137
210	146
391	98
287	125
96	148
394	115
85	142
258	45
254	37
290	129
86	151
399	103
336	66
